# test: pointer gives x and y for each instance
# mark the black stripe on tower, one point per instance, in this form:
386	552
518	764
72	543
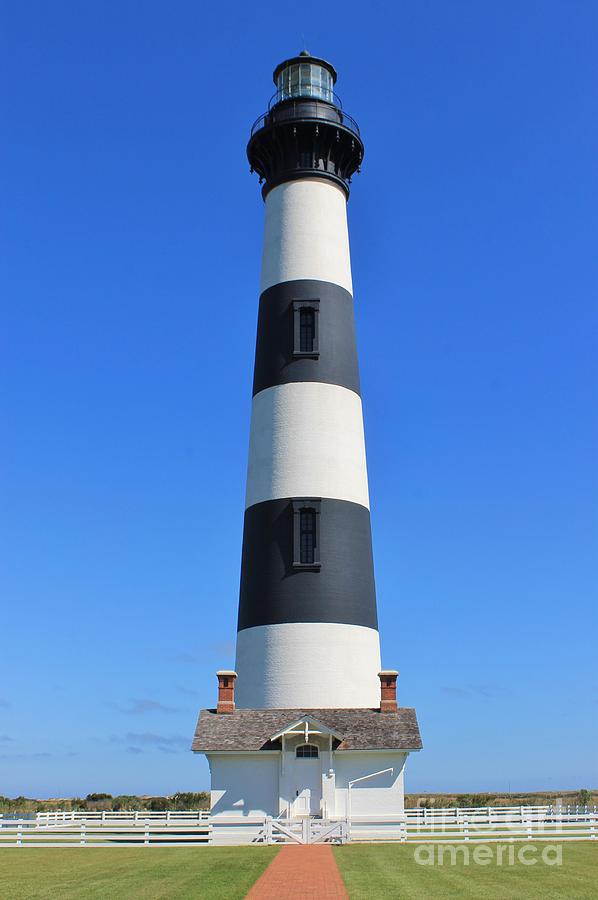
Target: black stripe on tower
274	590
278	356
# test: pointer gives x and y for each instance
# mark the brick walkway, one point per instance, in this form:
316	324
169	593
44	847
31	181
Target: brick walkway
308	872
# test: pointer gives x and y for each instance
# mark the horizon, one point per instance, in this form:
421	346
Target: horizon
410	794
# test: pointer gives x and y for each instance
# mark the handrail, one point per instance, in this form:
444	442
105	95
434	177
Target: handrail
300	107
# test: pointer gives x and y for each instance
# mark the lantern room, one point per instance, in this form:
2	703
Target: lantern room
304	76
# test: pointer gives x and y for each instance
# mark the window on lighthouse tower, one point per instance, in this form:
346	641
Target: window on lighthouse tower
306	534
305	326
307	330
307	519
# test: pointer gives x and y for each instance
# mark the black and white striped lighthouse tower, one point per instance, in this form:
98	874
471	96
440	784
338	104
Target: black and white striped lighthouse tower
307	629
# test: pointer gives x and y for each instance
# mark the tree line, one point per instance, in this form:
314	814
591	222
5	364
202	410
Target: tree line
100	801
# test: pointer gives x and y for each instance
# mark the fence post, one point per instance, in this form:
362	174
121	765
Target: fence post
19	834
305	830
168	817
465	828
146	833
82	835
403	831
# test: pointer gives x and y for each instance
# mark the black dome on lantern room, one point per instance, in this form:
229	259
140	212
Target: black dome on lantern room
305	133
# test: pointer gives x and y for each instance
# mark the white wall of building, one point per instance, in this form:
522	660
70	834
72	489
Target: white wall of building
244	784
306	234
306	665
383	795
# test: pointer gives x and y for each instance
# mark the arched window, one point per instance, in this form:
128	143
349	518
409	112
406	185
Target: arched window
307	751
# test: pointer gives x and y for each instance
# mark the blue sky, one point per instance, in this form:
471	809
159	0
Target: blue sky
129	283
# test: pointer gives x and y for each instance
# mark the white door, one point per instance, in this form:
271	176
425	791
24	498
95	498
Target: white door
308	787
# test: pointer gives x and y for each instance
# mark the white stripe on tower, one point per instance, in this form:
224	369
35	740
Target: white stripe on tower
313	665
307	441
306	234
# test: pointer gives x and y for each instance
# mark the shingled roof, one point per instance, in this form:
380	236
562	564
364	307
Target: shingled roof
252	729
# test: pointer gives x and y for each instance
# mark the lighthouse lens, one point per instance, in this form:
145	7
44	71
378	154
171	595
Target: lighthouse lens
305	80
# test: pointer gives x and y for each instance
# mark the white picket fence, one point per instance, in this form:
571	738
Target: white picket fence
56	816
494	813
107	833
495	823
174	828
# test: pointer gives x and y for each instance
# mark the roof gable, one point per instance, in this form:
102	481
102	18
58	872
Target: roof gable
307	720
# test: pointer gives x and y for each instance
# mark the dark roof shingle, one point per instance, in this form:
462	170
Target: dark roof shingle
361	729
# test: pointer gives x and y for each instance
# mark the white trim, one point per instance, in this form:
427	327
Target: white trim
380	750
300	721
334	752
237	752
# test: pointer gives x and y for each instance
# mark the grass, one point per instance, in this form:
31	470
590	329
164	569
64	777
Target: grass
375	871
168	873
370	871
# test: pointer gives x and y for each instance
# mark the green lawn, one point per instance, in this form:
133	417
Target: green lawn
209	873
372	871
388	871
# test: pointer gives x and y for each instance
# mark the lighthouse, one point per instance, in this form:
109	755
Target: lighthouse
308	686
307	628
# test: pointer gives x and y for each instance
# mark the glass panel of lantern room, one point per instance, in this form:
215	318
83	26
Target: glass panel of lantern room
305	80
283	84
294	81
316	81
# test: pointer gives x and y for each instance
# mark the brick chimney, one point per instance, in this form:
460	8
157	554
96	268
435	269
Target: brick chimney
388	690
226	691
